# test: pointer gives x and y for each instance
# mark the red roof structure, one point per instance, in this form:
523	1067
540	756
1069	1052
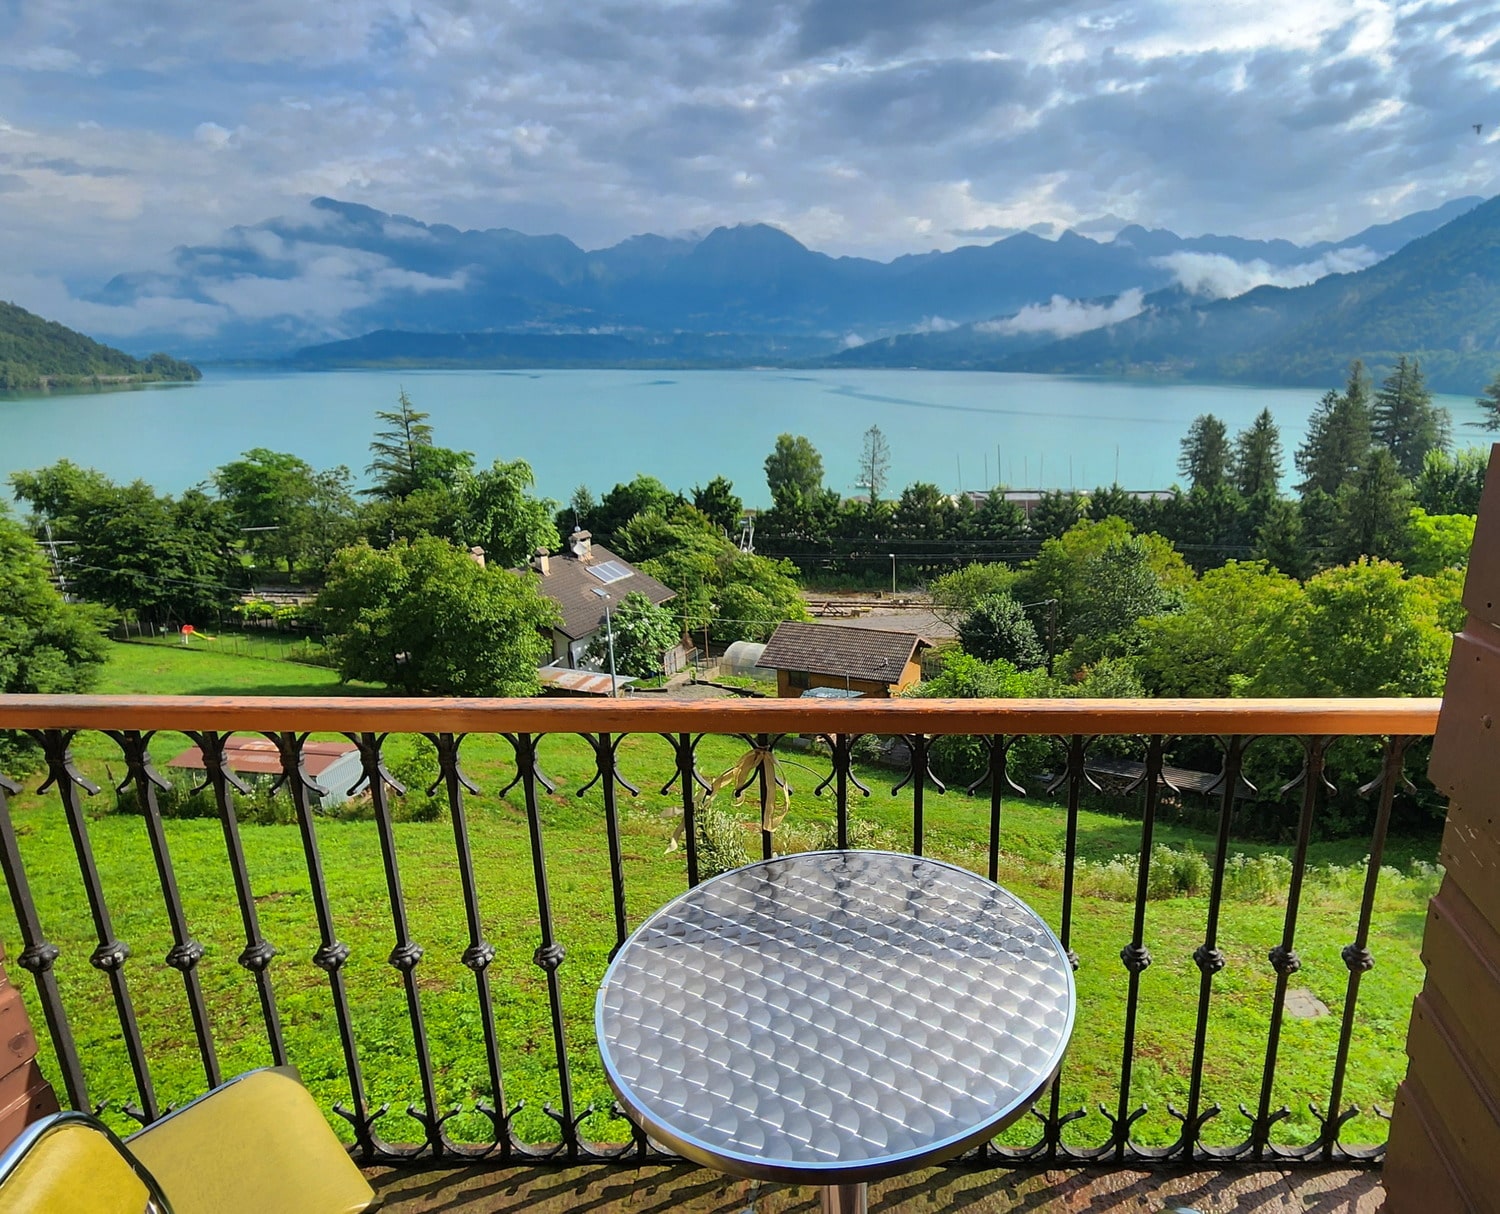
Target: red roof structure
259	755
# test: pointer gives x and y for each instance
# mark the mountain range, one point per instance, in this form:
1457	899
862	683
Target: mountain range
1437	299
342	285
337	271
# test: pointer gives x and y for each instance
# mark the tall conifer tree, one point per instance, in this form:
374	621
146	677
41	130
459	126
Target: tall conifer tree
1404	419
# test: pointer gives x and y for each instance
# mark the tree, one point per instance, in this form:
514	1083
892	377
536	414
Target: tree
1122	590
1230	621
720	503
997	629
1489	401
287	513
1362	630
47	646
1066	570
1279	539
643	632
1435	542
1257	457
170	561
794	470
424	618
874	463
1338	435
963	758
956	593
1056	512
1405	421
503	518
1373	510
405	459
1205	453
624	502
1451	484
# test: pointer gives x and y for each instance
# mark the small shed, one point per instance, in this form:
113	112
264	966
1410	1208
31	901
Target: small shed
743	658
335	766
876	662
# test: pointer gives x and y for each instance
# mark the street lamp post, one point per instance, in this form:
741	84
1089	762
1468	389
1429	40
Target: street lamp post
893	573
609	636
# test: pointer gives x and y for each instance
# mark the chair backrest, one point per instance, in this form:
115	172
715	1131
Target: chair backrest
70	1163
255	1144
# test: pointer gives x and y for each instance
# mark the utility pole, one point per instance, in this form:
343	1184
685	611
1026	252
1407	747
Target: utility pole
609	635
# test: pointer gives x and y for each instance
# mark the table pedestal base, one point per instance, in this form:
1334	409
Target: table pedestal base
845	1198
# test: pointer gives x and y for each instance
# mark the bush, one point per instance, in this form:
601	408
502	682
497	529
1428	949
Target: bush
998	630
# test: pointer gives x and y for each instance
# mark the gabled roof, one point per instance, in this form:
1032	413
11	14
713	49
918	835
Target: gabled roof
838	649
570	585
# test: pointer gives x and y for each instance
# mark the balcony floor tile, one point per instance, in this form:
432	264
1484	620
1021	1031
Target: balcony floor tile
681	1189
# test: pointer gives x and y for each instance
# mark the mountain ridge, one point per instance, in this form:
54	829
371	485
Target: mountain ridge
40	353
399	273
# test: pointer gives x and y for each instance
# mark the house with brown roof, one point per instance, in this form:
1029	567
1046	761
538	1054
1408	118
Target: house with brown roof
573	579
873	661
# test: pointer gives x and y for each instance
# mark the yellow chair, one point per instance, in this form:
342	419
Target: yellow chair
70	1163
251	1146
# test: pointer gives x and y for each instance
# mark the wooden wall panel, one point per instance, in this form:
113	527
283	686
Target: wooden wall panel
1482	586
1443	1155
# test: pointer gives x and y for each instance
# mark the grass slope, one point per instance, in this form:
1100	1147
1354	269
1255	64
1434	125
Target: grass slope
574	837
38	353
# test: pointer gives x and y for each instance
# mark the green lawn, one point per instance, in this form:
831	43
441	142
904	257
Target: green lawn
574	836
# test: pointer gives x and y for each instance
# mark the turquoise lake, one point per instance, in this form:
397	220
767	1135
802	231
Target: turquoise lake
956	429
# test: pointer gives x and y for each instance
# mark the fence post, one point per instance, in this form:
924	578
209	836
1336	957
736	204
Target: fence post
1445	1128
25	1096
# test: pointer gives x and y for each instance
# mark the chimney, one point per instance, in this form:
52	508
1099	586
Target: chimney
581	543
543	562
476	554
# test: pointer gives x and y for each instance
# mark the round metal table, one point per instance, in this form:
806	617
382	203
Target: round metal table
832	1018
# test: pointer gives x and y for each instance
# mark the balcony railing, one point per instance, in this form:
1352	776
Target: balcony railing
450	1034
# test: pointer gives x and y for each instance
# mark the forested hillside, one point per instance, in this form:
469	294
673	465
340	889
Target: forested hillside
1438	300
38	353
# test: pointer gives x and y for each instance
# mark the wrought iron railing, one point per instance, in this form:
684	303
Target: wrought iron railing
474	1059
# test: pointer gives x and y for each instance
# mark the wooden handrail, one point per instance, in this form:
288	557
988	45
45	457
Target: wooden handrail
355	714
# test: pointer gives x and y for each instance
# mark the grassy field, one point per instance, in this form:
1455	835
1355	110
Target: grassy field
574	836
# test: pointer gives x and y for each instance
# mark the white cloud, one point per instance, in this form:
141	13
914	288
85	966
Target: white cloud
934	324
212	134
851	341
150	313
1063	317
1218	277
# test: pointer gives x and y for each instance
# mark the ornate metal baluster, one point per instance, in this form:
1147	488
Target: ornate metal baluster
258	951
405	952
764	743
841	748
549	954
185	952
1135	956
1357	956
1076	777
111	954
998	779
919	747
480	952
1208	957
685	748
606	747
332	952
1283	957
38	955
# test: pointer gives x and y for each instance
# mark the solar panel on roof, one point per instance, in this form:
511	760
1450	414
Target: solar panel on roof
609	571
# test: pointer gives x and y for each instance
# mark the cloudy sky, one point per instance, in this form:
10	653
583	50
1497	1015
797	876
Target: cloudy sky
864	126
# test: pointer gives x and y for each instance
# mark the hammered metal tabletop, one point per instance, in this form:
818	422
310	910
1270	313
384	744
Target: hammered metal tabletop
834	1016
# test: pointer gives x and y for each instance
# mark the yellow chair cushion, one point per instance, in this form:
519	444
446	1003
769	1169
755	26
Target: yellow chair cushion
257	1144
73	1169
